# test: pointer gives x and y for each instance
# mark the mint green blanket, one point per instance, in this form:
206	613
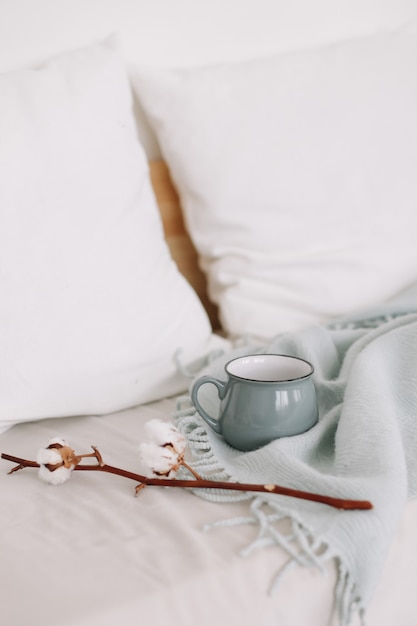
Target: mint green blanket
363	447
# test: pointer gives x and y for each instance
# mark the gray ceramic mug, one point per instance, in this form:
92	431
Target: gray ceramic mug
265	396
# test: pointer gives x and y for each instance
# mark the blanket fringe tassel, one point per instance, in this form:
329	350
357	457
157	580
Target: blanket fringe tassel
298	543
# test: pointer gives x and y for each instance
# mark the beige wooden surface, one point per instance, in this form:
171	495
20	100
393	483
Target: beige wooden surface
179	242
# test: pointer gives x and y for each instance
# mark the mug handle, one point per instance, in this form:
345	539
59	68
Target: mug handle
221	390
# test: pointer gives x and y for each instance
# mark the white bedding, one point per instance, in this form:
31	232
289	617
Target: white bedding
90	553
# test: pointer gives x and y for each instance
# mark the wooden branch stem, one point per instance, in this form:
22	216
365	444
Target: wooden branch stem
200	483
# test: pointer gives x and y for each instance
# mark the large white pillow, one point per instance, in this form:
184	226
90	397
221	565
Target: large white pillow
92	308
298	175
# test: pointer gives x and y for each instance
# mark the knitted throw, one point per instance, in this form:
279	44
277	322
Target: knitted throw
363	447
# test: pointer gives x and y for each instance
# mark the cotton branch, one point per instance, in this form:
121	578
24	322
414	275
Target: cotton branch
197	483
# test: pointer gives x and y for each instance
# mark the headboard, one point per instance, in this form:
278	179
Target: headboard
176	235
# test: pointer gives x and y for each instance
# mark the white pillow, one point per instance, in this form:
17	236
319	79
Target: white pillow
92	308
298	175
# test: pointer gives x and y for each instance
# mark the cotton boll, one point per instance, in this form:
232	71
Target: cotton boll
57	477
157	460
48	456
162	433
52	455
56	440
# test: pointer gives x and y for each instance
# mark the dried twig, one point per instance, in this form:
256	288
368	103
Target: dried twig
198	483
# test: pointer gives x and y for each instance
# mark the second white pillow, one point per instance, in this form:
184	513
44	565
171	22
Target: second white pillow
297	174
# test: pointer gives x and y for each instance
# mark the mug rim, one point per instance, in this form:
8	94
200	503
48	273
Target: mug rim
271	381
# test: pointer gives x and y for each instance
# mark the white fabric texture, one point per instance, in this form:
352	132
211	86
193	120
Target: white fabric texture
297	176
363	448
92	308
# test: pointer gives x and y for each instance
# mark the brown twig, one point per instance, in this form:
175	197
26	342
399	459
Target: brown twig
200	483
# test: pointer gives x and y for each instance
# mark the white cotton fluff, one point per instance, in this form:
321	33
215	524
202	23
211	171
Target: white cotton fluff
56	439
51	456
48	456
157	460
57	477
161	433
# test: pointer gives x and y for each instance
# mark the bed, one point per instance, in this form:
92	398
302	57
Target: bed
157	222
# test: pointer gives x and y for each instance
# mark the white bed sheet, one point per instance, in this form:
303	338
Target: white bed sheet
90	553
